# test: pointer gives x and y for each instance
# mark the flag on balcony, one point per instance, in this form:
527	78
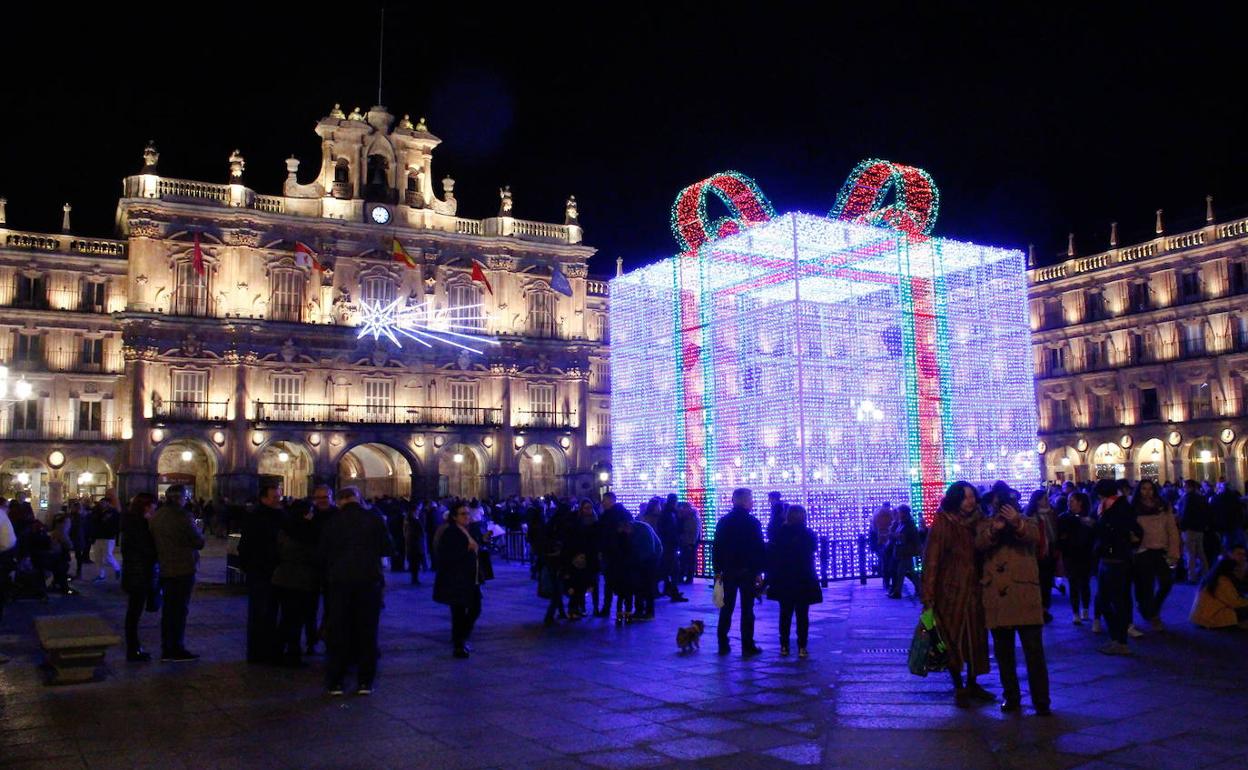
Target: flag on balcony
479	275
400	255
306	257
197	257
559	281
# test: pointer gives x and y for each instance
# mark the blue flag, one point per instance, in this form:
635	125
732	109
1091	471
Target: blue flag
559	281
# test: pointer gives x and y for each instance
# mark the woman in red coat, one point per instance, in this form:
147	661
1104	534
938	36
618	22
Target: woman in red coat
951	575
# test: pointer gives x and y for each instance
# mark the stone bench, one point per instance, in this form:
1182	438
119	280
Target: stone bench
74	645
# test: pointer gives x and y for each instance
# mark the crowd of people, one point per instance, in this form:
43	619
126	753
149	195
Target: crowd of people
316	568
990	564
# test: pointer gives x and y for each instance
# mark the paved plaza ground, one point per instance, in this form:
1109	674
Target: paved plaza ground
593	694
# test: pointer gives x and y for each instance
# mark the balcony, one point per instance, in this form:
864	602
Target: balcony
542	419
281	311
57	429
193	304
79	361
191	411
357	414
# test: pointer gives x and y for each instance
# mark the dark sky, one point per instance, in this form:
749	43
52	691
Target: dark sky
1033	121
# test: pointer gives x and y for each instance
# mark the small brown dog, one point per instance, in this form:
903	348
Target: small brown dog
687	637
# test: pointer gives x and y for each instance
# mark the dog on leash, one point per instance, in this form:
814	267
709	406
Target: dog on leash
687	637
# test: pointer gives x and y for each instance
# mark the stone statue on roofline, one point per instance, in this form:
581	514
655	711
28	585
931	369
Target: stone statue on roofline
504	194
570	214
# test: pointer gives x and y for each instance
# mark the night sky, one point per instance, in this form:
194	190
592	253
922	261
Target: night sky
1033	124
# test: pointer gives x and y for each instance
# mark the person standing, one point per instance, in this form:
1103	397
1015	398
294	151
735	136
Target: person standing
258	555
740	557
414	534
139	573
1156	555
791	577
105	527
1012	597
323	509
669	535
613	555
80	534
457	583
951	589
645	554
1040	510
351	548
1074	539
295	580
903	546
1116	533
178	543
690	533
1194	521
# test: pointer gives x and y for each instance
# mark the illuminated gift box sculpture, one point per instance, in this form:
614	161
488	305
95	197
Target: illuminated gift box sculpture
838	363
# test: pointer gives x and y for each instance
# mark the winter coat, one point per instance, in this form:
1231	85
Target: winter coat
138	555
1074	538
738	550
690	530
178	541
257	549
952	589
1011	574
791	575
1161	533
1217	609
644	544
352	545
297	543
1117	532
458	580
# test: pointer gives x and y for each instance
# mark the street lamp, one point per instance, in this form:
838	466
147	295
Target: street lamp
20	390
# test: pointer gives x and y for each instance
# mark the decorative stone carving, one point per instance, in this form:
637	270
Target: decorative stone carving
237	164
570	214
406	123
576	269
543	363
380	356
422	126
150	157
141	280
356	115
505	202
501	262
337	112
289	351
464	361
242	237
144	228
191	346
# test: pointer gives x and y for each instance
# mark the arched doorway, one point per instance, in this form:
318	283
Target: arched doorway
1205	460
1109	461
187	462
459	472
377	469
88	477
291	463
539	469
25	475
1150	459
1063	464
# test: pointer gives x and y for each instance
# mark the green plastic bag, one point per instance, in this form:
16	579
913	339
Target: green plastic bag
927	650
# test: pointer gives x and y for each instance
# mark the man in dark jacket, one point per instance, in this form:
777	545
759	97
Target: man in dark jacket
613	516
1116	534
353	544
1193	511
258	555
669	535
739	557
178	542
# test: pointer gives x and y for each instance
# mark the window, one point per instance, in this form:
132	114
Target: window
1104	410
603	424
1189	286
1201	404
599	376
466	310
90	416
29	349
190	395
26	415
463	402
287	396
377	290
91	354
1137	296
1053	312
1239	277
542	314
1098	354
1057	360
190	295
1150	407
1061	414
542	405
600	327
286	301
379	400
1193	340
1096	305
32	292
92	300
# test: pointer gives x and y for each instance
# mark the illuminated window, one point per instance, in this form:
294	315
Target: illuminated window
377	289
465	305
463	401
286	301
379	400
541	313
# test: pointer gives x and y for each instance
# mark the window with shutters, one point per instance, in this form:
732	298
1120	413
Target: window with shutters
189	396
26	416
29	349
90	416
542	405
1060	411
1201	401
466	312
287	396
603	424
600	327
32	292
190	293
542	314
377	290
379	400
599	376
1150	405
92	299
91	354
463	402
286	301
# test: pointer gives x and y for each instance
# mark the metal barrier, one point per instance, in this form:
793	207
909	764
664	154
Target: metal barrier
516	547
839	559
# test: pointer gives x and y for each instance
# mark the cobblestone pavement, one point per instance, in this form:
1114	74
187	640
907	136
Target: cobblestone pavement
593	694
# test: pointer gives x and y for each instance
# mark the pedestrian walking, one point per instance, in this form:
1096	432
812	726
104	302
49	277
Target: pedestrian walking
457	583
1157	554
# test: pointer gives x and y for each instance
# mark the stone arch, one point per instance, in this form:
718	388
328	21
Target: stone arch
1150	459
187	460
461	470
1109	461
1204	459
377	468
292	461
25	472
87	475
542	469
1070	470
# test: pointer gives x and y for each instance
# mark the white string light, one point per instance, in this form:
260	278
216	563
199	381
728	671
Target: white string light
423	325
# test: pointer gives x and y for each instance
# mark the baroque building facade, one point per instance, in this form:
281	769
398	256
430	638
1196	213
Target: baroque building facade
1141	357
199	347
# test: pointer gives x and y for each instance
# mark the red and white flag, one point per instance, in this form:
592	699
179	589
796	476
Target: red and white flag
479	275
306	257
197	259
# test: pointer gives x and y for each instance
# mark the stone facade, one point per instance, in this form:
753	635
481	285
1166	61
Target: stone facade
224	356
1141	357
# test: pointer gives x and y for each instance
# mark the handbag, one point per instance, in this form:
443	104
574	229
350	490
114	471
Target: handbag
927	651
717	594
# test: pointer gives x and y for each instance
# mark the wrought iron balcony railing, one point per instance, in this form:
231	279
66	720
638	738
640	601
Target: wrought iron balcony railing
13	428
269	411
191	411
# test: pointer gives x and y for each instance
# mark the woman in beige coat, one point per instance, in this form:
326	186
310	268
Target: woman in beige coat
1011	584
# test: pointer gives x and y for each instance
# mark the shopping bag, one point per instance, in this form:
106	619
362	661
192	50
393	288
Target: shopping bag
717	595
927	650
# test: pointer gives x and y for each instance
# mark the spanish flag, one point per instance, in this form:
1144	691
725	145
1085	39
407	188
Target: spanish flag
400	255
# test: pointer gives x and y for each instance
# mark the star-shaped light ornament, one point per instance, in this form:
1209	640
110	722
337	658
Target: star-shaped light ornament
418	322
